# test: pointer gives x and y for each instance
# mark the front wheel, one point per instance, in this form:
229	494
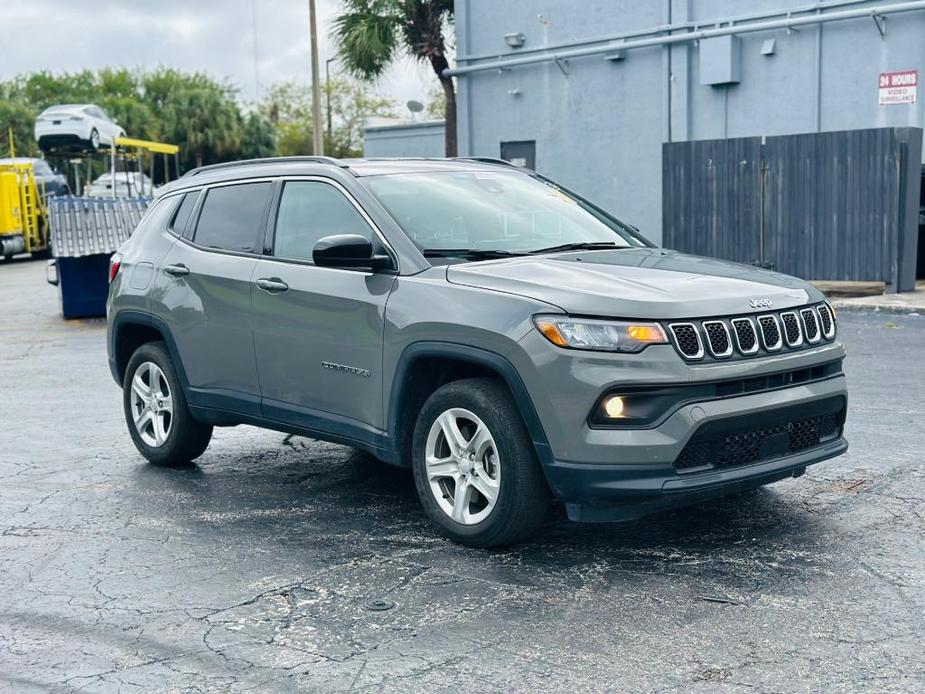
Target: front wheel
156	413
94	139
475	467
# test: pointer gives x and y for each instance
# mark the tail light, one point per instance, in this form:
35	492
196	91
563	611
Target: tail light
115	262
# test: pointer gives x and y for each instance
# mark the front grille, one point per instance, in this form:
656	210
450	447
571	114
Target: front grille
687	340
755	445
750	335
718	338
810	324
792	329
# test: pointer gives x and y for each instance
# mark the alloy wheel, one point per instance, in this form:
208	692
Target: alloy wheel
152	404
463	466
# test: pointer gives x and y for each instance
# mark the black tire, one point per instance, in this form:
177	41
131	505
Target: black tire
94	140
186	439
523	495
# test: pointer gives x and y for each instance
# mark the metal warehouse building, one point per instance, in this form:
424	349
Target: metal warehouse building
670	113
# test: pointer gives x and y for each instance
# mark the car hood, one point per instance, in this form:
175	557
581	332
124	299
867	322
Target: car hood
637	283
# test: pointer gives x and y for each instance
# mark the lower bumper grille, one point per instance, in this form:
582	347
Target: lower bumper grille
747	445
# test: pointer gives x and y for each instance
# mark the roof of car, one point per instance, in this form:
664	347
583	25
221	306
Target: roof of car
66	107
307	165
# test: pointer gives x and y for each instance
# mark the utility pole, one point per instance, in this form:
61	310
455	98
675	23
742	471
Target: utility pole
317	129
327	90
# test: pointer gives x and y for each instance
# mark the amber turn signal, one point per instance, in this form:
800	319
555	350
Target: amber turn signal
646	333
552	333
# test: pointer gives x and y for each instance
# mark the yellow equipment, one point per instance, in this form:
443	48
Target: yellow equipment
23	210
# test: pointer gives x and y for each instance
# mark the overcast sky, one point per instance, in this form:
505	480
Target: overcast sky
214	36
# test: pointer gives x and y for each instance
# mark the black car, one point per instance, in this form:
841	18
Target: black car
54	183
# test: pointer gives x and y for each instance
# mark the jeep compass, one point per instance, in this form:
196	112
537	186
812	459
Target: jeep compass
503	337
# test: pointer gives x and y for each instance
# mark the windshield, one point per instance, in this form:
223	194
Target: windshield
486	211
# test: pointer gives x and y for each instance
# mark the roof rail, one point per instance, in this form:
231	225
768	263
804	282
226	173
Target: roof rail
266	160
488	160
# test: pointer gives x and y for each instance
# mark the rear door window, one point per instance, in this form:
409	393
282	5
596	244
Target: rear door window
233	217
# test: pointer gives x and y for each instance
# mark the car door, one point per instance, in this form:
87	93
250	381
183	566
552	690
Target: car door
205	294
318	330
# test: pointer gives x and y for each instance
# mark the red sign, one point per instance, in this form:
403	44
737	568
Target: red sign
898	87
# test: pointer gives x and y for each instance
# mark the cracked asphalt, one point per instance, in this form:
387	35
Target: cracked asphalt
254	569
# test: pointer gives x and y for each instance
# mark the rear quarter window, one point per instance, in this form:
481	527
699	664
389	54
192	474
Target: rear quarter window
233	217
157	216
182	216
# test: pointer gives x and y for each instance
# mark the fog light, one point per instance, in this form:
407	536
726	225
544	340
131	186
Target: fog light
613	406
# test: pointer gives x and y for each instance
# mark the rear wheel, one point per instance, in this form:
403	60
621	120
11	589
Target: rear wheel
156	412
475	468
94	139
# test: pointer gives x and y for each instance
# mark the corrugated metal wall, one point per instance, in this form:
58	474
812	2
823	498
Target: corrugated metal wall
822	206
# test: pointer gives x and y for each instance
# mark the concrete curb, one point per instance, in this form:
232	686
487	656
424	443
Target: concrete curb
879	308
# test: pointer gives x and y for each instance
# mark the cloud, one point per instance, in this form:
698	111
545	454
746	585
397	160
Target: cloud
213	36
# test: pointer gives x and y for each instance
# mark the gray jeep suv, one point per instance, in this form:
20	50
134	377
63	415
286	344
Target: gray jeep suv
505	338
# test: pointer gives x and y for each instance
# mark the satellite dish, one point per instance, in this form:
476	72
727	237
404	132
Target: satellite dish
415	106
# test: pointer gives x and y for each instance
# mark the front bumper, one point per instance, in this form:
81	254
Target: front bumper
622	493
624	473
648	481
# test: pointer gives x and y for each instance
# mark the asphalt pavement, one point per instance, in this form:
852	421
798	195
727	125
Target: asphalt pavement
279	563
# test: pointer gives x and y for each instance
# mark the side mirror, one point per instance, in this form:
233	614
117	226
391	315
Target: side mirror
348	251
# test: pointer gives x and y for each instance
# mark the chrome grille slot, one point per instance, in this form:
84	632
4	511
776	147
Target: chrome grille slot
827	321
770	333
746	337
687	340
810	325
792	328
718	338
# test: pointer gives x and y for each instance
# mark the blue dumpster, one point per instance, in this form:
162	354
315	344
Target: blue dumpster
85	232
84	285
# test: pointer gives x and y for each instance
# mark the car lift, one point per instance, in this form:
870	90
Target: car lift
133	149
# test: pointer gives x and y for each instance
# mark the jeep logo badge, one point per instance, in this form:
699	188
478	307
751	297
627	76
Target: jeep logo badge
760	302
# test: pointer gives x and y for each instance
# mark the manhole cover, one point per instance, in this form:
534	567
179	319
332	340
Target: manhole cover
378	605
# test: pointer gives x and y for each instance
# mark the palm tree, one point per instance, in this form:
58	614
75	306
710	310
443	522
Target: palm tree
372	33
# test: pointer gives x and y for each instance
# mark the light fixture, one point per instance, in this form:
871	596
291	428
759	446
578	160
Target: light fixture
515	39
599	334
614	406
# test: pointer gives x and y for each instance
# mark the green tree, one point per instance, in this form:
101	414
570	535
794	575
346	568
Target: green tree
288	106
436	103
208	125
258	138
21	119
372	33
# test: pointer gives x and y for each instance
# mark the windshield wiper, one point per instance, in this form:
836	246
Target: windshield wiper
469	253
581	246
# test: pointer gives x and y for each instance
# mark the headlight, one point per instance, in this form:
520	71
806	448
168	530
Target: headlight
602	335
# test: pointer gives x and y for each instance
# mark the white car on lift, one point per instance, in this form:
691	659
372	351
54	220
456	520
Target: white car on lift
75	126
129	184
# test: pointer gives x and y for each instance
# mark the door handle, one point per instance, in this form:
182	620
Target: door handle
272	285
178	270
